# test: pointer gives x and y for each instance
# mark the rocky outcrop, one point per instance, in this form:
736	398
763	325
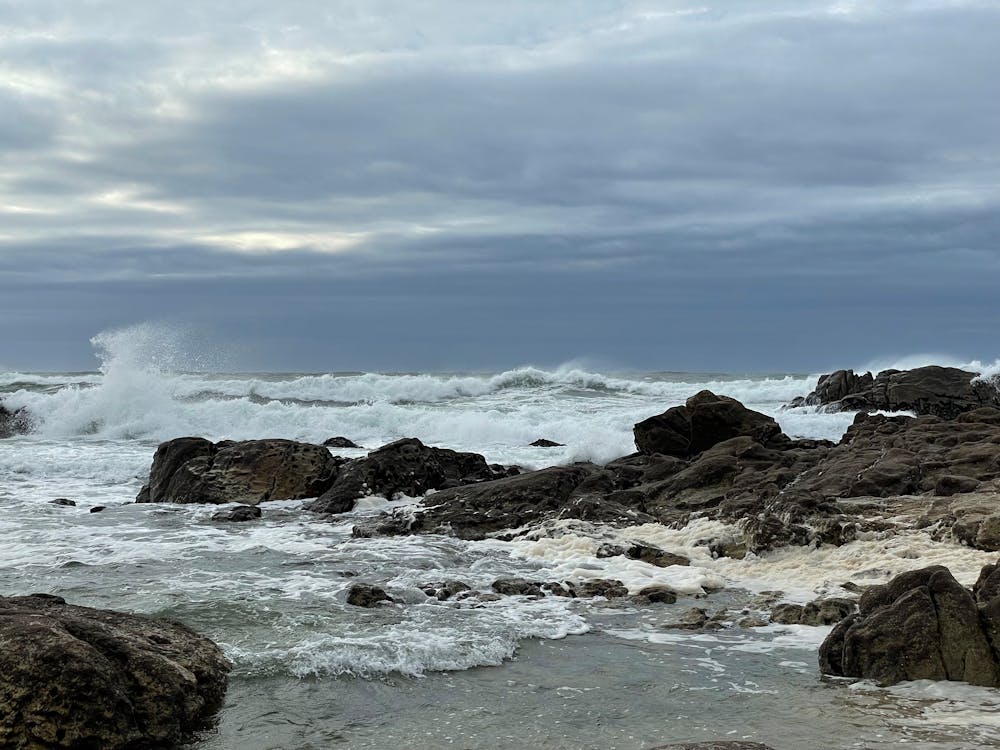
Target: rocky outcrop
74	677
705	420
14	422
922	625
943	392
405	467
195	470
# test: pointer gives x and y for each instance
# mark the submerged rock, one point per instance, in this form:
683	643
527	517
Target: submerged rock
75	677
239	514
721	745
922	625
195	470
63	501
405	467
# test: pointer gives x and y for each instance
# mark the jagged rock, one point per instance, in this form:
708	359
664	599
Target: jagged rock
944	392
340	442
705	420
543	443
819	612
239	514
921	625
14	422
365	595
195	470
75	677
444	590
406	467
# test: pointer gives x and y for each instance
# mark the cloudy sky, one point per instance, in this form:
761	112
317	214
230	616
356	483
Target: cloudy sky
319	185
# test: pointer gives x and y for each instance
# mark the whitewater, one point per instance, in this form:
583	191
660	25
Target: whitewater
313	672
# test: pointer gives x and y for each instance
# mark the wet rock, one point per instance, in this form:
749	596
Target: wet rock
752	621
705	420
553	588
656	595
365	595
517	587
693	619
921	625
239	514
819	612
340	442
721	745
194	470
606	587
405	467
444	590
75	677
14	422
98	509
543	443
63	501
646	553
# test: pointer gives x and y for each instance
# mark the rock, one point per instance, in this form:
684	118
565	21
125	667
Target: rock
63	501
921	625
340	442
194	470
75	677
947	485
608	588
819	612
657	595
444	590
944	392
694	619
98	508
405	467
543	443
365	595
239	514
705	420
647	553
517	587
14	422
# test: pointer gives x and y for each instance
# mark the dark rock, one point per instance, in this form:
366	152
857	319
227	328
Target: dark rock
98	508
543	443
721	745
75	677
340	442
921	625
554	588
819	612
947	485
364	595
14	422
694	619
608	588
194	470
405	467
657	595
647	553
238	514
63	501
705	420
517	587
944	392
444	590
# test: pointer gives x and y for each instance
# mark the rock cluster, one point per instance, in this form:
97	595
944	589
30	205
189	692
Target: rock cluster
74	677
922	625
943	392
13	422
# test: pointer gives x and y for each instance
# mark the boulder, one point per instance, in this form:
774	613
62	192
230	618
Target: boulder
14	422
195	470
705	420
405	467
75	677
340	442
444	590
819	612
921	625
943	392
239	514
517	587
365	595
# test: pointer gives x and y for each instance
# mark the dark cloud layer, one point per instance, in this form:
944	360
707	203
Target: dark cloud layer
751	186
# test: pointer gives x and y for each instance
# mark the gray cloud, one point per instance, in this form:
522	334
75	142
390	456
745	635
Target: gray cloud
664	162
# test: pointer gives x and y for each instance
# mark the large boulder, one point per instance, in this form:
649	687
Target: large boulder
74	677
922	625
405	467
943	392
195	470
705	420
13	422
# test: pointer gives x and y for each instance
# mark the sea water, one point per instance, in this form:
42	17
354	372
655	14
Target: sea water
313	672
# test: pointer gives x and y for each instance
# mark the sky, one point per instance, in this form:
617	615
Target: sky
414	185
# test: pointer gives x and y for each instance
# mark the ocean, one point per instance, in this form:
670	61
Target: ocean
313	672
